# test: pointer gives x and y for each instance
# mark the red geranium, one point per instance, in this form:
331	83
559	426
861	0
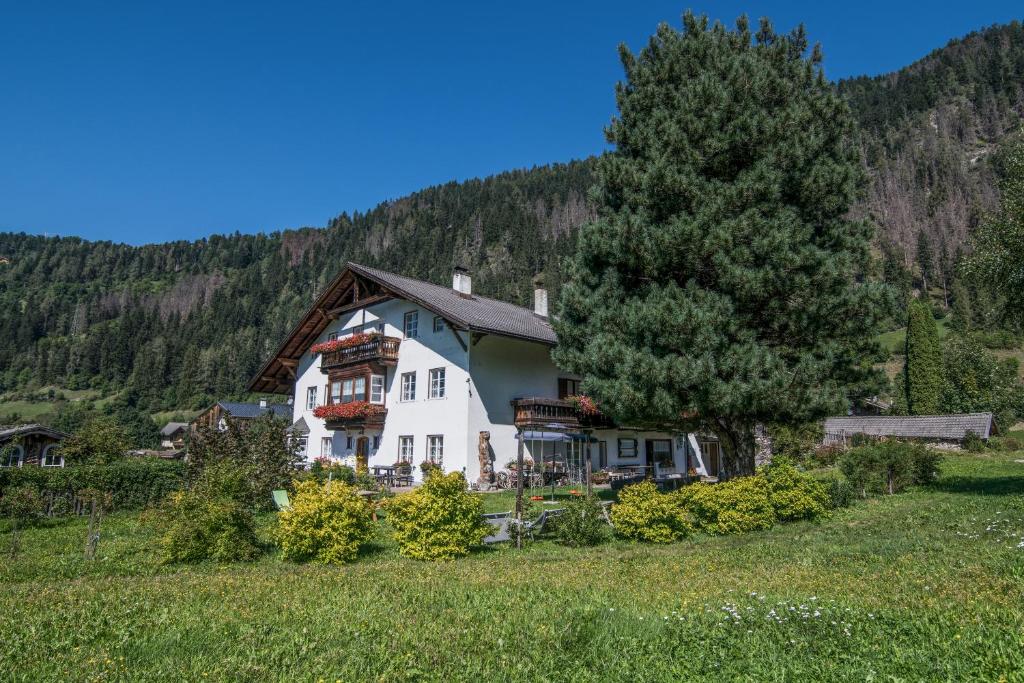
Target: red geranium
347	411
584	404
342	343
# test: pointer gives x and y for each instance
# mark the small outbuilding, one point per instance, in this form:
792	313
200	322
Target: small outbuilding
949	429
30	444
172	436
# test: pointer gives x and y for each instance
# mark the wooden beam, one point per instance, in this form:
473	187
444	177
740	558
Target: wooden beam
458	338
368	301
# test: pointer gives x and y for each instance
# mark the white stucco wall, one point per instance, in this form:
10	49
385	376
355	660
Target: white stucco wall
481	382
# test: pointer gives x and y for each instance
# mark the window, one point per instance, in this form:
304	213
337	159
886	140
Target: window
435	449
412	324
11	455
376	442
376	388
332	336
301	445
51	458
348	443
360	390
569	387
438	323
336	391
627	448
311	398
405	448
409	386
602	455
437	383
661	452
326	447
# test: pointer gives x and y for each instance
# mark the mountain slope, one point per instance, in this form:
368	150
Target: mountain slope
176	325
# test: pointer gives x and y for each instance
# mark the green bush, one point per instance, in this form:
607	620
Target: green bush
208	521
973	443
323	469
644	514
327	523
840	492
439	520
134	483
889	467
797	442
794	494
582	523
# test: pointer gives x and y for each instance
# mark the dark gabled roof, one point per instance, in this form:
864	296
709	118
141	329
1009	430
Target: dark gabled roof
472	312
247	410
172	427
943	427
299	427
8	432
358	286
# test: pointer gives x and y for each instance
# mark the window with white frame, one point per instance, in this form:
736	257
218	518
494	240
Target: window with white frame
408	386
405	448
311	398
435	449
411	324
627	448
437	383
360	389
376	388
332	336
335	391
301	445
11	455
438	323
51	458
327	447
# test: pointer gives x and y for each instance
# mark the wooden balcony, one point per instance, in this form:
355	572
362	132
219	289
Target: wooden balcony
545	412
377	349
374	421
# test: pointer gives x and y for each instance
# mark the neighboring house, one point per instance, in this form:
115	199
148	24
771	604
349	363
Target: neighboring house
386	368
950	429
172	436
30	444
221	413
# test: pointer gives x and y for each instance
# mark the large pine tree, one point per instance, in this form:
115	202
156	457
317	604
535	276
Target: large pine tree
719	286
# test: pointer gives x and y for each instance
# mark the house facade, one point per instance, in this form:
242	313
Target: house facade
385	369
221	413
30	445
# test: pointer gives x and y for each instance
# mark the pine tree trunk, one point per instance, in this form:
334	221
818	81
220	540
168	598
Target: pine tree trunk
736	440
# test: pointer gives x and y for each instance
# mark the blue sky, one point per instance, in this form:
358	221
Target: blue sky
149	122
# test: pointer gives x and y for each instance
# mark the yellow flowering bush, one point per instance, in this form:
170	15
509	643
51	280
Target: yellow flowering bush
645	514
327	523
440	520
795	494
729	507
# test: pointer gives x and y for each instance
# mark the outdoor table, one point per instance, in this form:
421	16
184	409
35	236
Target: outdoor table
384	474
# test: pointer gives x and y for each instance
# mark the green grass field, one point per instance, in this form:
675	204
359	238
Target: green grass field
926	585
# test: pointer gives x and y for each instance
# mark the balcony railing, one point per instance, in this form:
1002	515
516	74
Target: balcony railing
556	413
376	349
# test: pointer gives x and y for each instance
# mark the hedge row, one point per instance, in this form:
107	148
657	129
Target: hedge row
133	483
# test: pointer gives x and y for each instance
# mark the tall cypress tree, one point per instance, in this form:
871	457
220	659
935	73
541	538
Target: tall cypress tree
922	372
719	286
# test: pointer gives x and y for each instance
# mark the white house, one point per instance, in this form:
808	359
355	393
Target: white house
413	371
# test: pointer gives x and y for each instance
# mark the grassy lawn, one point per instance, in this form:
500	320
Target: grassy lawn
927	585
895	341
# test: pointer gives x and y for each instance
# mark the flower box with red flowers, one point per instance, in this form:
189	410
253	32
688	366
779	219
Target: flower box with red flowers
355	411
342	343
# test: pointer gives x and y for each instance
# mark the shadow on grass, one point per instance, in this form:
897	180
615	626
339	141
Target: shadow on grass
991	486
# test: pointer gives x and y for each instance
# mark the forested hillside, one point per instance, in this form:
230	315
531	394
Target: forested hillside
176	325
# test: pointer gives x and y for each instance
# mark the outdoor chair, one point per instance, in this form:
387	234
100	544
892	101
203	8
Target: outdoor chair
500	521
281	499
535	527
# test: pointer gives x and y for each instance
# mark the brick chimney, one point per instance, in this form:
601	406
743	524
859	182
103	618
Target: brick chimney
540	297
461	281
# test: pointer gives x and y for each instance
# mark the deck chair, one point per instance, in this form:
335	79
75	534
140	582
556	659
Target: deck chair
499	522
281	499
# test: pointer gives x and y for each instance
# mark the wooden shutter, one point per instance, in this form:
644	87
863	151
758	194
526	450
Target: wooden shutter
563	387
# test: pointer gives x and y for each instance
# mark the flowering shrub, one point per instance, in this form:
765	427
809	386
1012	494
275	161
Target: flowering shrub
644	514
794	494
326	523
342	343
347	411
440	520
730	507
